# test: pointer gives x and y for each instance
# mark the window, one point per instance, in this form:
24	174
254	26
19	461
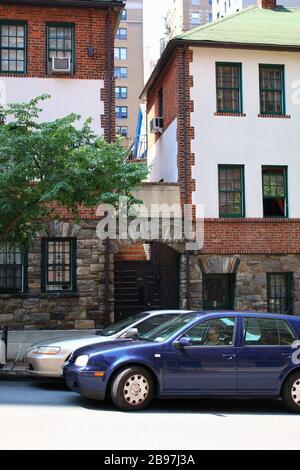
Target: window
120	53
275	201
121	112
272	99
213	333
120	72
121	34
195	18
231	191
267	332
121	92
280	293
59	264
122	131
13	47
124	15
218	291
195	2
13	269
60	43
229	89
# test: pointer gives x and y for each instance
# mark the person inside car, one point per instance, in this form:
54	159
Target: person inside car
213	337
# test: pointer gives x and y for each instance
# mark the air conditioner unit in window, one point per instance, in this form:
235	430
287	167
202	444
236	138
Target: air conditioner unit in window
61	65
157	125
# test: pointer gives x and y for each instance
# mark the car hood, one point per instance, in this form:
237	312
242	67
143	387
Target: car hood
119	344
73	343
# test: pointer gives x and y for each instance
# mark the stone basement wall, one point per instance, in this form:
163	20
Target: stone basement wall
251	277
83	310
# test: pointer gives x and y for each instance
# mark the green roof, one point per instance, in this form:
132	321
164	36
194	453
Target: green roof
253	25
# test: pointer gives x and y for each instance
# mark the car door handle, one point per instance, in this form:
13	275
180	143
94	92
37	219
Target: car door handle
230	357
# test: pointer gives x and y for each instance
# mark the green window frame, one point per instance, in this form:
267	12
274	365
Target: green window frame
231	191
229	87
275	191
272	89
59	265
13	47
280	293
13	269
60	43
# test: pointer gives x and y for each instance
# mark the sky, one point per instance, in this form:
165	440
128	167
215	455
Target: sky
154	11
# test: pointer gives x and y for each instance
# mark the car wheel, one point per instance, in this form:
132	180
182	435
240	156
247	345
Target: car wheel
132	389
291	392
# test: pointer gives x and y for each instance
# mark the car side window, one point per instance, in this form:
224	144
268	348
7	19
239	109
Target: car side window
261	332
153	322
213	333
286	334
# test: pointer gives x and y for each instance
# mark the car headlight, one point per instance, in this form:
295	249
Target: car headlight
47	350
82	361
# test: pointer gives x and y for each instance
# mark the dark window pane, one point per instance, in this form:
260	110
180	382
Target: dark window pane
271	89
60	264
229	88
280	298
260	332
231	191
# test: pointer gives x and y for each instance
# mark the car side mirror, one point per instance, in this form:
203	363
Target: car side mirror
130	333
183	343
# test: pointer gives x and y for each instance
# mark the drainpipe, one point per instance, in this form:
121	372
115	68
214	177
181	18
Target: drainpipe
185	166
109	139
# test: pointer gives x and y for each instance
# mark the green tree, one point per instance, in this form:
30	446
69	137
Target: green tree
55	162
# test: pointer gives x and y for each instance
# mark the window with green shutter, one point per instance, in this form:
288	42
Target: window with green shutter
272	95
13	47
231	191
229	88
60	43
275	201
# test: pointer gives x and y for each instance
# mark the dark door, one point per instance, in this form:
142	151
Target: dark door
209	365
266	353
218	291
137	288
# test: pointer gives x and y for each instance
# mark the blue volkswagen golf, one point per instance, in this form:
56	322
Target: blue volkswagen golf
195	355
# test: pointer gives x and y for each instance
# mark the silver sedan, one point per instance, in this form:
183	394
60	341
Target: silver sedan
46	359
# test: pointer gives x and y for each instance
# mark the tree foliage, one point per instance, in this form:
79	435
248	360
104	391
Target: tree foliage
55	162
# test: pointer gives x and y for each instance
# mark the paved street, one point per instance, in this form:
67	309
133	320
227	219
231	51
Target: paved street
45	415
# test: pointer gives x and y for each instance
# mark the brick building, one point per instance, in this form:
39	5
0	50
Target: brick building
228	99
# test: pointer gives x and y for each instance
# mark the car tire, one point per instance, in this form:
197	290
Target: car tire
132	389
291	392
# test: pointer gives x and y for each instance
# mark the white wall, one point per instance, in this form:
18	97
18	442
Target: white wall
249	141
162	156
67	96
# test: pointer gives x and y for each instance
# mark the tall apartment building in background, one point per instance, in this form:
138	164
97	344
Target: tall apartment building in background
221	8
129	68
184	15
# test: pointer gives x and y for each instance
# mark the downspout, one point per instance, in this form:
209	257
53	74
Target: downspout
185	166
109	139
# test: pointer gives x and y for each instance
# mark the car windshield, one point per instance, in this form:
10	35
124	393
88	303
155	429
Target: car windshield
121	325
168	329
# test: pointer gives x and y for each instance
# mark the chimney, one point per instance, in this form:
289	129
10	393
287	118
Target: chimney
267	4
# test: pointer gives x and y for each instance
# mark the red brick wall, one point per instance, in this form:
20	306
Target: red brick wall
252	236
134	252
90	29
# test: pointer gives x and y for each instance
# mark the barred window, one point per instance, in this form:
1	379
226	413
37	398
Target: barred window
60	43
272	100
59	264
13	269
231	191
229	89
280	293
13	47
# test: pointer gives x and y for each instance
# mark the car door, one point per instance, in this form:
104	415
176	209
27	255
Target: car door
208	364
265	354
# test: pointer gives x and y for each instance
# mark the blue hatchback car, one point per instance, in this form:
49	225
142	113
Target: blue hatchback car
195	355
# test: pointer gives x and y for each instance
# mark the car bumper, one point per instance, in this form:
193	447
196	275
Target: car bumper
45	366
85	383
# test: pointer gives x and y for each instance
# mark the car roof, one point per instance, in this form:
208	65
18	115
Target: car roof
169	312
249	313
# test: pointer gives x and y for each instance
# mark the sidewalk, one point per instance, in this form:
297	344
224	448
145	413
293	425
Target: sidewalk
12	368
